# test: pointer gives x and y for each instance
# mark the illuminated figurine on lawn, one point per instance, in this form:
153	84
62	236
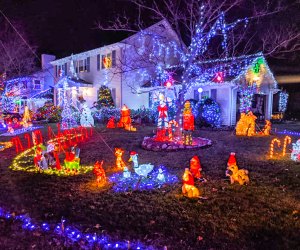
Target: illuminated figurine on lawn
141	170
188	187
39	158
267	128
188	124
162	122
126	173
246	124
235	174
195	167
52	156
99	172
26	120
120	164
86	118
160	176
111	122
72	159
295	155
125	120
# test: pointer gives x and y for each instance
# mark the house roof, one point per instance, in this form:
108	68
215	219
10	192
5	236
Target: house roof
86	54
46	94
73	82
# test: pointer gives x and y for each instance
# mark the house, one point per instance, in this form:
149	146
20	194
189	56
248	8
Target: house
32	90
117	66
228	78
121	68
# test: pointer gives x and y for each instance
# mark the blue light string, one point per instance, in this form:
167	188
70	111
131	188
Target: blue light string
72	233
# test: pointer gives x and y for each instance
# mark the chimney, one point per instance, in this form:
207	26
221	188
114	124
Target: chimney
46	59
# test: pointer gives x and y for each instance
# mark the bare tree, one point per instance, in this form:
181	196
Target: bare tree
16	58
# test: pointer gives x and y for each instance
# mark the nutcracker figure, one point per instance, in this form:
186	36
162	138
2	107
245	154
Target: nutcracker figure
162	123
188	124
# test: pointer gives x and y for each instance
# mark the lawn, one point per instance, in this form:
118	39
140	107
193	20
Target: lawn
263	215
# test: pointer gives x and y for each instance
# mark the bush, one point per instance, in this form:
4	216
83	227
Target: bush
208	113
48	112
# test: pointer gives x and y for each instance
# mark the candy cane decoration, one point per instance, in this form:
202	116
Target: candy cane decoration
170	129
17	142
28	138
287	140
37	137
272	146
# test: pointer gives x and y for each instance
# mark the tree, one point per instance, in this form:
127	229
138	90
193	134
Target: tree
201	32
105	99
17	57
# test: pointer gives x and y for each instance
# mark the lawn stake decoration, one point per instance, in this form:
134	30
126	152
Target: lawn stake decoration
26	120
120	164
246	125
5	145
235	174
267	128
188	124
99	172
161	177
195	167
17	142
111	123
188	187
142	170
126	173
72	160
295	156
125	120
287	140
277	141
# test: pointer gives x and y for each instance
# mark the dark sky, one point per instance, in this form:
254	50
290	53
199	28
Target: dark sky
62	27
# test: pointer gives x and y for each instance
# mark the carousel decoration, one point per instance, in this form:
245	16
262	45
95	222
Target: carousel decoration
188	124
236	175
125	120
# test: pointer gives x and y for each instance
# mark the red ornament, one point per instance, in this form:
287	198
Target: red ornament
219	77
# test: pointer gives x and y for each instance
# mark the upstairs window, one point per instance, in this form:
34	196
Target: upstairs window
83	65
37	84
108	60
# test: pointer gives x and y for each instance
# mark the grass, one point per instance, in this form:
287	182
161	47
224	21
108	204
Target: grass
262	215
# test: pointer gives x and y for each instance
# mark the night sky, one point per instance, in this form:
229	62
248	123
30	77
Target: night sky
63	27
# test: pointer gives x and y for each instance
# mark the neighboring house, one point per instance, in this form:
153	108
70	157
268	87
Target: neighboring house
115	66
33	90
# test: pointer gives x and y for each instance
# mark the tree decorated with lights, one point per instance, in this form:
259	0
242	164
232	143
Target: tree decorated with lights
197	28
105	98
68	117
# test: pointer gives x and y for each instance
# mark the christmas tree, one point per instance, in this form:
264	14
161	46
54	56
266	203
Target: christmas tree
105	98
86	119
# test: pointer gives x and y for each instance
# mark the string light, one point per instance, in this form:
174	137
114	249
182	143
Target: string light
72	233
287	140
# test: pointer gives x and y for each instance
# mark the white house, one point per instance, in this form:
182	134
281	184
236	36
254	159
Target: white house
117	66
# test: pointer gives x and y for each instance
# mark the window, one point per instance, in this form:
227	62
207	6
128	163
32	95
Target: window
37	84
83	65
205	94
108	60
213	94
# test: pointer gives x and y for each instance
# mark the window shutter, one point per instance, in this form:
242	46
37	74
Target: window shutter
213	94
113	58
66	69
102	64
88	60
98	62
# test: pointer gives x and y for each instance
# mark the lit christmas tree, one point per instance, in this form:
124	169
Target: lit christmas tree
105	98
86	119
68	119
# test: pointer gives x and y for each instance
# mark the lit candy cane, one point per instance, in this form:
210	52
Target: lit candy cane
37	137
17	142
272	146
287	140
28	138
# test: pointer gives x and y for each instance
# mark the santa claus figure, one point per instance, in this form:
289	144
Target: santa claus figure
195	167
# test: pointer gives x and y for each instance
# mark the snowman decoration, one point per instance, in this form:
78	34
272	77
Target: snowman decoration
86	119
